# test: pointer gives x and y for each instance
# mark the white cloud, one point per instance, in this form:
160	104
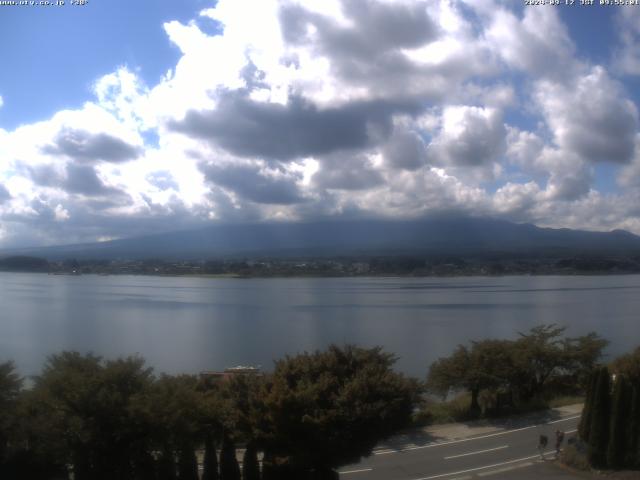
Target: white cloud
593	119
469	136
538	43
516	200
570	178
123	94
524	149
405	149
629	176
626	57
342	107
61	213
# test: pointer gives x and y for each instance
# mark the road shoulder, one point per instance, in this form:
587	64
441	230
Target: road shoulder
459	431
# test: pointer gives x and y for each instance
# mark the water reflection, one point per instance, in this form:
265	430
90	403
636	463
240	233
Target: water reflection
191	324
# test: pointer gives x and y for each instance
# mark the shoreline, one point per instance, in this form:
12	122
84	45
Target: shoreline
310	275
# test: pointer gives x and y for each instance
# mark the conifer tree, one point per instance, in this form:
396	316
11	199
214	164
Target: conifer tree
599	431
585	419
268	468
250	467
145	468
187	464
10	386
229	468
617	448
210	471
632	459
166	466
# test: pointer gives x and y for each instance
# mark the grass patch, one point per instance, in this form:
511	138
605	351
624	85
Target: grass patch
564	400
454	410
574	458
457	409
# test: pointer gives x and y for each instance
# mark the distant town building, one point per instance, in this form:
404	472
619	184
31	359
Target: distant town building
214	377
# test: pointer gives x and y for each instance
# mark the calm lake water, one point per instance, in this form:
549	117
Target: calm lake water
194	324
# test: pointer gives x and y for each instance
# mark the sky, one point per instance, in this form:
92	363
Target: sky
122	118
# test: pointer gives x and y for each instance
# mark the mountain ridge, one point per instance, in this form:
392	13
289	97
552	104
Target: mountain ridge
459	236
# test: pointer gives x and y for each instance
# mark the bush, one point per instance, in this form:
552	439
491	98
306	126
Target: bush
573	458
326	409
454	410
457	409
565	400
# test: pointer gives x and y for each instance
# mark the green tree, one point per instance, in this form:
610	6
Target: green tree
250	467
587	411
629	366
269	470
539	354
214	410
210	471
620	411
36	450
187	463
171	411
166	465
599	431
328	409
492	365
67	386
90	403
633	433
125	443
145	468
242	407
488	364
523	367
582	355
229	468
452	373
10	388
244	415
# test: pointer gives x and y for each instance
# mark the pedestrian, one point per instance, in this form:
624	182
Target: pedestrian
542	444
559	440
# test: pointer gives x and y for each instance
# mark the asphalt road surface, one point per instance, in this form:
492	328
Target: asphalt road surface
475	457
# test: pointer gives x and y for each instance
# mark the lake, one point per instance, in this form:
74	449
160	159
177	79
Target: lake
193	324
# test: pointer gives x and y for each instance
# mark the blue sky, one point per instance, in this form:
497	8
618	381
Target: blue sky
61	51
123	118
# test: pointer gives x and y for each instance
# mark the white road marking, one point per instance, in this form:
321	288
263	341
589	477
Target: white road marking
506	469
562	420
476	453
439	444
523	459
356	471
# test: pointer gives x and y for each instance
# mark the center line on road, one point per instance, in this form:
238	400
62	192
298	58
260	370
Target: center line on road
505	469
523	459
356	471
476	453
388	451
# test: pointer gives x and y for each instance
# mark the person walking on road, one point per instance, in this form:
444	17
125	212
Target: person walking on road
559	440
542	444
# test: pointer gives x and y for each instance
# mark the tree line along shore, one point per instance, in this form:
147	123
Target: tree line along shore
85	417
343	266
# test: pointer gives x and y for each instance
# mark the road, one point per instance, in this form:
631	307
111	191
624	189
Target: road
474	457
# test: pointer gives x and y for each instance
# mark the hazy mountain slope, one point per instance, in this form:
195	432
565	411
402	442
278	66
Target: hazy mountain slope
450	236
